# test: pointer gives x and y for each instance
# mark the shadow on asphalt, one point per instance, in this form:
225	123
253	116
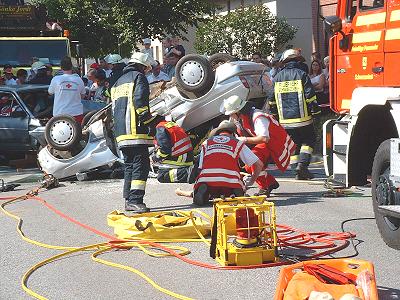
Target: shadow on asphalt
388	293
295	198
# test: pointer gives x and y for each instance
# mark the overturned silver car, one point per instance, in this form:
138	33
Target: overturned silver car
192	101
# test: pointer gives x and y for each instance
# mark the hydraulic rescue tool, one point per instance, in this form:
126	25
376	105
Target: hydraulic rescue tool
244	231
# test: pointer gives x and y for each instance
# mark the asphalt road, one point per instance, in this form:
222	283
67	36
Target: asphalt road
78	277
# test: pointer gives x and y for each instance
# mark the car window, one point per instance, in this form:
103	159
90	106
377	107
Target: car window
8	105
39	103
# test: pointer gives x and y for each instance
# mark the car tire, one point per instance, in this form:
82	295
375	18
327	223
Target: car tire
63	132
87	117
382	194
218	59
194	74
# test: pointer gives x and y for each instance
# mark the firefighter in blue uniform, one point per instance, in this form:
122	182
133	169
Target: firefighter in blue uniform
134	128
295	102
173	153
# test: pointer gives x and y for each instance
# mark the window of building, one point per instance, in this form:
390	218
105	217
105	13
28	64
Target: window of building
371	4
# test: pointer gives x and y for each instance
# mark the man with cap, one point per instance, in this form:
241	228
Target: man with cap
40	74
295	102
116	65
268	140
147	49
9	78
134	128
219	171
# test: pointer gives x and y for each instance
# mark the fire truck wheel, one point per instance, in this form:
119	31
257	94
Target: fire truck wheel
194	74
383	194
63	132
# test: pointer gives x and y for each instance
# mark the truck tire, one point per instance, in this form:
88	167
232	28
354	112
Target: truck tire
194	74
382	194
63	132
218	59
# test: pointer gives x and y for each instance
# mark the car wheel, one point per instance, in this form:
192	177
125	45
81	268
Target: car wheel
218	59
63	132
194	74
382	194
87	117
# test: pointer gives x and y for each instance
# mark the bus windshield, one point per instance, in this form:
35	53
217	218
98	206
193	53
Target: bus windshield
19	53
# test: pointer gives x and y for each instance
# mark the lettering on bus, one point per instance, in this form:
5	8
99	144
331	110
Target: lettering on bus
363	48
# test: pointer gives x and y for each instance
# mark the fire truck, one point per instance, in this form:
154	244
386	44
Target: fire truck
363	143
24	35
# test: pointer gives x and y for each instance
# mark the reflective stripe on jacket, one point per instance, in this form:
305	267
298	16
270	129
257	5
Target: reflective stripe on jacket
294	96
130	106
219	162
179	141
280	144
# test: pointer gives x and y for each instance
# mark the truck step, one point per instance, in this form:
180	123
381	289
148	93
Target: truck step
390	210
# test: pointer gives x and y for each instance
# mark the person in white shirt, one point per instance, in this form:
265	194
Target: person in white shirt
156	73
68	89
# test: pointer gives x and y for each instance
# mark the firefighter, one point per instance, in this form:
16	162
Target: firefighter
173	153
133	128
219	171
267	137
295	102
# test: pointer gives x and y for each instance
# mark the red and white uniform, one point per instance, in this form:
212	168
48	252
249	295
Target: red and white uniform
279	147
180	141
219	162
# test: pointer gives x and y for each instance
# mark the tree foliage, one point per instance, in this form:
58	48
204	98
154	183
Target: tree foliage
103	24
243	32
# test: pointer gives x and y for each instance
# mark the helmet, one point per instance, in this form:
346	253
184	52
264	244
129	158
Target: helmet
113	59
289	54
232	105
140	58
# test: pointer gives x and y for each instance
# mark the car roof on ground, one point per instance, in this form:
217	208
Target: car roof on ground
22	88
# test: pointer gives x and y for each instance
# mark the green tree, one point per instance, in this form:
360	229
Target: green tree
101	25
243	32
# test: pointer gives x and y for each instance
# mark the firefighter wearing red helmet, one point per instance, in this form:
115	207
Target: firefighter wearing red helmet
268	138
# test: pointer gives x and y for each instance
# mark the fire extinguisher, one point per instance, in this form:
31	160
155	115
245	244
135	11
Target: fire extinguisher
247	229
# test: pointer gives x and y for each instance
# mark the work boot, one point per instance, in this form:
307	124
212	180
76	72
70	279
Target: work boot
302	173
136	208
267	192
201	195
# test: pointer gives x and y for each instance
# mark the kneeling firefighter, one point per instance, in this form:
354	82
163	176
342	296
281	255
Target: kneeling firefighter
268	139
173	153
219	170
295	102
134	128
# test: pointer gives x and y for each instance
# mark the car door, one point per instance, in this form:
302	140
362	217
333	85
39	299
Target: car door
14	122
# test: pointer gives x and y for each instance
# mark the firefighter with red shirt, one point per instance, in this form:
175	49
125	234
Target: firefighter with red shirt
270	140
173	153
219	170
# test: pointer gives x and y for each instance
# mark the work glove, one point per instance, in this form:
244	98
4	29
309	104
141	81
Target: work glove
242	138
248	181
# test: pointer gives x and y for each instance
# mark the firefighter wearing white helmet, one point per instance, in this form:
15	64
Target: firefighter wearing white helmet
267	138
134	128
116	65
295	102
